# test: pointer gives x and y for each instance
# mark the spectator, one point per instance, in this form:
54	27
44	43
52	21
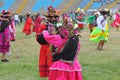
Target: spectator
16	17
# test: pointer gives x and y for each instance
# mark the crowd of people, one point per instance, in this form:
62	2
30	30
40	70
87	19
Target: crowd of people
58	35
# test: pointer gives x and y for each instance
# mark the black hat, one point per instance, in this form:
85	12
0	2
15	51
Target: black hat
105	11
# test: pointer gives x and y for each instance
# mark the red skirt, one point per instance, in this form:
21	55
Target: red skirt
27	31
115	24
45	61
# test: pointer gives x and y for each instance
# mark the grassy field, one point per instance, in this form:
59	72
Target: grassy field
97	65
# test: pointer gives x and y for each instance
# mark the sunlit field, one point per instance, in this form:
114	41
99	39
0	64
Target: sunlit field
97	65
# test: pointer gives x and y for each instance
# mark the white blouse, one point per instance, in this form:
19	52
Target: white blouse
101	22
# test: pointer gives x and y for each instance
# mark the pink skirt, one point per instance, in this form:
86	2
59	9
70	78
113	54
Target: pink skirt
115	24
64	71
5	41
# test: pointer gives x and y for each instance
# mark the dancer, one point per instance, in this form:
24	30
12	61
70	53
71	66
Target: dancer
80	16
12	28
28	24
92	20
37	22
45	60
116	22
4	35
65	51
100	34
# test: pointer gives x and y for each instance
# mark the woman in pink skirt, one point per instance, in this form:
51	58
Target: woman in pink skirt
65	56
66	65
4	35
116	22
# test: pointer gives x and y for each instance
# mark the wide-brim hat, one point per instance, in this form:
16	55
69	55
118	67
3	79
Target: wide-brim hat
105	11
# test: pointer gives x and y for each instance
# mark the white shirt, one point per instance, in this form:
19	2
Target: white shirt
16	17
101	22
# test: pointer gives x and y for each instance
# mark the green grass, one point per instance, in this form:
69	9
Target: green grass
97	65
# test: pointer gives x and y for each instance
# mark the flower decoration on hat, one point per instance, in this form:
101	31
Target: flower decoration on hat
52	14
68	28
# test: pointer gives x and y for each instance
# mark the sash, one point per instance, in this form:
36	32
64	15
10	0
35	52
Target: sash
3	25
